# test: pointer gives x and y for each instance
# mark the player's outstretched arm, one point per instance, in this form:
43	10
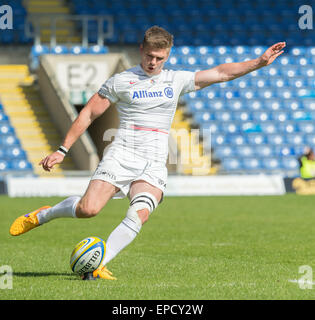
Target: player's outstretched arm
95	107
230	71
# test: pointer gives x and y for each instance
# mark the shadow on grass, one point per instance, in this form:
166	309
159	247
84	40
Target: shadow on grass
67	276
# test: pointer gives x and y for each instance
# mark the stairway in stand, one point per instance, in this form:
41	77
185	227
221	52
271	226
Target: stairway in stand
33	126
40	11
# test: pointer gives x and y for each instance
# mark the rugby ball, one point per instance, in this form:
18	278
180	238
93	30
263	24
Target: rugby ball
87	255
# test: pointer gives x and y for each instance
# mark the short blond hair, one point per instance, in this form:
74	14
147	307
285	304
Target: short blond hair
157	38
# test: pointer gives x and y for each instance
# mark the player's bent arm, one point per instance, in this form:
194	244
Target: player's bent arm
95	107
230	71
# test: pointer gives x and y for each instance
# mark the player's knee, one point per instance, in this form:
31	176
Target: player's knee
86	210
141	205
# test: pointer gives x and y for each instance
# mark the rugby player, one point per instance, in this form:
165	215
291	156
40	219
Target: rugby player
134	165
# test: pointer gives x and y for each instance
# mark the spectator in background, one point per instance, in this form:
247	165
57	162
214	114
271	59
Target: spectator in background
307	164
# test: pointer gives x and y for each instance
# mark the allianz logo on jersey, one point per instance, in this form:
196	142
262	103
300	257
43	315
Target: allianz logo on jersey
140	94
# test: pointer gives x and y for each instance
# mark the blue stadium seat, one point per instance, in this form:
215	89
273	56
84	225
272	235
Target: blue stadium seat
222	152
59	50
96	49
210	128
219	139
287	127
242	116
175	60
250	127
257	50
302	115
285	60
285	93
197	105
303	61
306	127
208	61
251	163
203	116
280	116
186	50
234	104
4	165
6	128
297	51
261	116
255	104
263	151
284	151
265	93
275	139
290	163
229	93
231	164
226	59
223	116
242	82
15	153
190	60
307	71
244	151
237	139
9	140
273	104
271	163
240	50
229	127
215	105
259	82
78	50
291	104
21	165
278	82
39	50
256	138
204	50
268	127
291	71
248	93
295	139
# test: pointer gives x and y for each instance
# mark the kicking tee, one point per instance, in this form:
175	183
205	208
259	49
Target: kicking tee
146	106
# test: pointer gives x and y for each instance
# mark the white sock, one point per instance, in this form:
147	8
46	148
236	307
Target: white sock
63	209
118	240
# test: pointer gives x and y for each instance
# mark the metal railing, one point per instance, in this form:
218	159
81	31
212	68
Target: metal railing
34	26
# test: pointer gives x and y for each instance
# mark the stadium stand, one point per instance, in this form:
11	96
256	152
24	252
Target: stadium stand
271	107
26	130
258	123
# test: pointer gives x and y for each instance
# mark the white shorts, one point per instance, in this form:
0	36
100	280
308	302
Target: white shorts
121	169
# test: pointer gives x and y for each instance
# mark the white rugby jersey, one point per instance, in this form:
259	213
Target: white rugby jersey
146	106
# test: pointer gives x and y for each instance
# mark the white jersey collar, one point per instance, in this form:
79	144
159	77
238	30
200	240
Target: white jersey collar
141	72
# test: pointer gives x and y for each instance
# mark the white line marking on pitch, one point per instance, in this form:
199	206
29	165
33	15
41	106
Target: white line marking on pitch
301	281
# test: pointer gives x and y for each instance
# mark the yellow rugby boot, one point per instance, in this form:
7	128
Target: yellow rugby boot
103	273
26	223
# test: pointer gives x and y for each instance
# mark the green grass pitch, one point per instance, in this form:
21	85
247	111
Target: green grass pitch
201	248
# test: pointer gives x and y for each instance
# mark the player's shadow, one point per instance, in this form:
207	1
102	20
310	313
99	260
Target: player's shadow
44	274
